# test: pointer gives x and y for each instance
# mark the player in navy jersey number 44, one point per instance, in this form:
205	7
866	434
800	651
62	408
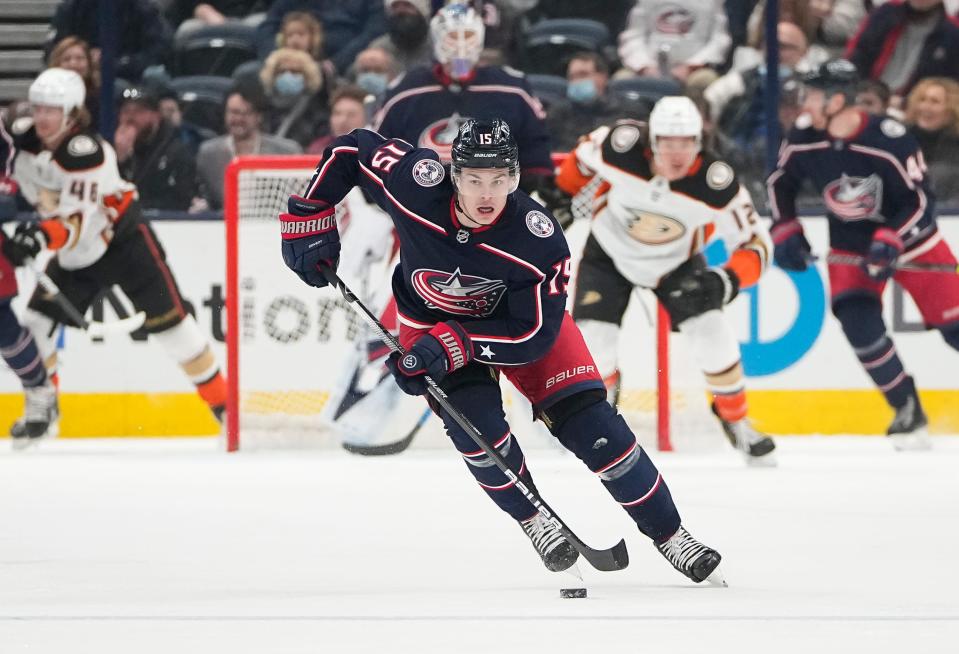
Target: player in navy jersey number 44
481	291
882	225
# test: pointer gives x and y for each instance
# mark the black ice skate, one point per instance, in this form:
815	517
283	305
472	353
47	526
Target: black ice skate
908	427
556	552
756	446
41	417
692	558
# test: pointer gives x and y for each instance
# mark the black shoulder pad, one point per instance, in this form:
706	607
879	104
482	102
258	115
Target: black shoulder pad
714	183
625	147
79	152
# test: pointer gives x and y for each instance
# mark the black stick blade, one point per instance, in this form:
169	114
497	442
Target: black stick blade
615	558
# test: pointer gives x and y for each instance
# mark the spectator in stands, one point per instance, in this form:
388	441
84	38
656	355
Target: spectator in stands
932	113
587	105
408	30
302	31
900	43
373	71
169	106
347	112
687	41
73	53
142	34
191	15
827	23
150	153
243	117
298	95
350	25
872	96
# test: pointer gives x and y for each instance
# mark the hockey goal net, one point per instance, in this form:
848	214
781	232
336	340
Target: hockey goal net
289	344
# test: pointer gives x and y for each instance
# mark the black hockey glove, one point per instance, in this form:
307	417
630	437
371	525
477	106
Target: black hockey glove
880	262
26	243
698	291
446	348
558	203
792	249
310	238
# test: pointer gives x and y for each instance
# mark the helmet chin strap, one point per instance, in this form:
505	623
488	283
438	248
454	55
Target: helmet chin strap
459	207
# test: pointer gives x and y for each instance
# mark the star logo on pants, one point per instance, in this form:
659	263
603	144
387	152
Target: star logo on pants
485	351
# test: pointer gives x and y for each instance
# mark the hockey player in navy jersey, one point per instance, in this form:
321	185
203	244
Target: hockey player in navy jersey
481	291
871	175
427	105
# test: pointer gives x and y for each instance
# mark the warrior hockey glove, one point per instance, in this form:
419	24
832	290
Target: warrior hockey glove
310	238
444	349
880	262
26	243
792	249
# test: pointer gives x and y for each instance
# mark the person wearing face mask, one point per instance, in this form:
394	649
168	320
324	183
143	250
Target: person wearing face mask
587	105
900	43
932	115
407	35
373	71
297	93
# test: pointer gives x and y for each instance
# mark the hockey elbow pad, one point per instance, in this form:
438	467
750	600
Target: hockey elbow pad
310	239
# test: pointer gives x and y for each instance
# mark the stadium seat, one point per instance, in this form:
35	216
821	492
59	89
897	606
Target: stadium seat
214	50
647	89
548	88
547	46
201	99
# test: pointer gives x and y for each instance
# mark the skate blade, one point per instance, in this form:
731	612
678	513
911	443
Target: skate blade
764	461
26	442
917	441
717	578
574	572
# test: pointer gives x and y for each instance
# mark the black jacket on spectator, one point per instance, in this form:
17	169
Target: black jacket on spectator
143	36
875	43
349	26
163	170
939	149
567	121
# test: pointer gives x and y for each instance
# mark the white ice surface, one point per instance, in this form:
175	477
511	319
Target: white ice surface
145	547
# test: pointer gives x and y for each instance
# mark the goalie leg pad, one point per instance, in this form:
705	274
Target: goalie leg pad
19	349
475	391
592	430
861	318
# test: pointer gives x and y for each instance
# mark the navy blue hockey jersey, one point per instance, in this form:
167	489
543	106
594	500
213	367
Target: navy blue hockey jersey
505	282
875	178
426	108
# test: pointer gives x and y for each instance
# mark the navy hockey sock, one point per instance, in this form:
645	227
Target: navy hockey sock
862	323
601	439
951	335
19	349
482	404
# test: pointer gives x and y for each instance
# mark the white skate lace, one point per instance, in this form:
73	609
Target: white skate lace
682	549
544	535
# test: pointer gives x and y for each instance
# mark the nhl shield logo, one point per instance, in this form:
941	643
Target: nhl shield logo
539	224
428	172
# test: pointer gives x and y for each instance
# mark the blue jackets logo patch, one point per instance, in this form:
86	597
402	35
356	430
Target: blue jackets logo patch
458	294
854	198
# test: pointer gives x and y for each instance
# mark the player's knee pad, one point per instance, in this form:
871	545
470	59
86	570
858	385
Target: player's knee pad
711	339
950	333
190	348
602	339
590	428
860	316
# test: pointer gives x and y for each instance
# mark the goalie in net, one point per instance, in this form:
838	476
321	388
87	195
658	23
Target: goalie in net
661	200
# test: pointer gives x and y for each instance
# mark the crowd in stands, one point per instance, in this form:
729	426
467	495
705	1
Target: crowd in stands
296	73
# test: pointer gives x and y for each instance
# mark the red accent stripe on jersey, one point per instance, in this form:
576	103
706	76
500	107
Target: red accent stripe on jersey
418	218
659	480
326	164
914	218
433	88
536	292
888	48
409	322
496	445
617	460
533	103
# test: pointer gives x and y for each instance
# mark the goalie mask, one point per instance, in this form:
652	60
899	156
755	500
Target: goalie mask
457	32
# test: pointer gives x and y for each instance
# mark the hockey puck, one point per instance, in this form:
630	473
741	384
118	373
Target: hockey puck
572	593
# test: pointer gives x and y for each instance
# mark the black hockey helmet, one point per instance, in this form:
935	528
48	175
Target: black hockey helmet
834	76
485	144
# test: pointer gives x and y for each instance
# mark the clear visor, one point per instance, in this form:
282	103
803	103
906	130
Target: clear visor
486	183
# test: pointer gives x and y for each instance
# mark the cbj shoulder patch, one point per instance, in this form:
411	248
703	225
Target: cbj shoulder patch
892	128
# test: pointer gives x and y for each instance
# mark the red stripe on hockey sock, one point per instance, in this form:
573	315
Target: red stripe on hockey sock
522	469
617	460
496	445
659	479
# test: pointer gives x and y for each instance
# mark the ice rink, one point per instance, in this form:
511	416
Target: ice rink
149	546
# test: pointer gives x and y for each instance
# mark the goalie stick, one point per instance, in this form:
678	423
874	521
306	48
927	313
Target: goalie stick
92	327
614	558
855	260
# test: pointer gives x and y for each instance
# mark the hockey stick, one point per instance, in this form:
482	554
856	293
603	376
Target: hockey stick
615	558
855	260
92	327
